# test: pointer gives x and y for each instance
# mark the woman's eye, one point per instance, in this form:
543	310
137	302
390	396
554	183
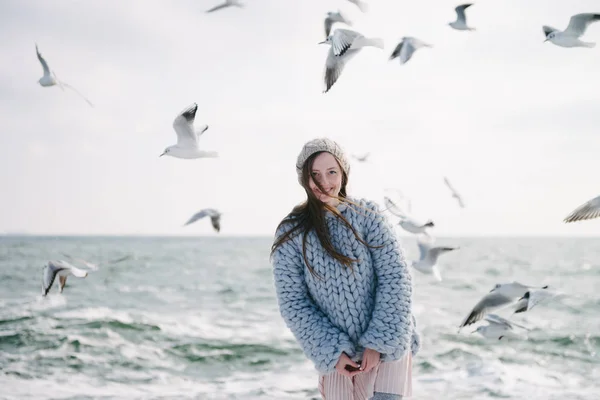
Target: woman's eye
333	172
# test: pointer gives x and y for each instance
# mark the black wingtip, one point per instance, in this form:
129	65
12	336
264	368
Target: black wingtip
543	287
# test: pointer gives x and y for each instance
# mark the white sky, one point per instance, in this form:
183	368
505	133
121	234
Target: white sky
512	121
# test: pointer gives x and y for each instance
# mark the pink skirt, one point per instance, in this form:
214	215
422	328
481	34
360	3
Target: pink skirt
394	377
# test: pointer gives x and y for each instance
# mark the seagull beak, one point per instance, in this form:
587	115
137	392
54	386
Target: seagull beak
323	42
163	154
474	331
545	40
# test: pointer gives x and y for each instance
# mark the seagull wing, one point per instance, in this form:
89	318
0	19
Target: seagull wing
589	210
494	319
579	23
342	40
44	63
215	220
49	273
393	207
200	214
220	6
397	50
407	50
333	69
184	127
488	303
460	12
548	29
328	24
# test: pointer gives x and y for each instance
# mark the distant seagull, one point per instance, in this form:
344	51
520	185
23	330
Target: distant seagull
345	44
428	256
455	194
333	17
363	6
461	19
570	36
533	298
498	328
406	48
589	210
215	218
228	3
187	137
62	269
502	295
411	225
50	78
361	158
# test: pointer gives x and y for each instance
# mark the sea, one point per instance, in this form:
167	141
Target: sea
197	318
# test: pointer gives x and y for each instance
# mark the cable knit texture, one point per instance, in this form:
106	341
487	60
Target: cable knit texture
347	310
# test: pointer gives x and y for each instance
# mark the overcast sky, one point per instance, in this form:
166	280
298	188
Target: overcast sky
512	121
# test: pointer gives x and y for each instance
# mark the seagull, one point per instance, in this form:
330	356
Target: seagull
187	137
428	256
503	294
406	48
531	299
362	158
50	78
92	266
61	268
570	36
413	226
228	3
333	17
345	44
454	193
215	217
364	7
497	328
461	19
589	210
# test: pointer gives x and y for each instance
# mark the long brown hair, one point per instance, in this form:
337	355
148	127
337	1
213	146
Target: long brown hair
310	215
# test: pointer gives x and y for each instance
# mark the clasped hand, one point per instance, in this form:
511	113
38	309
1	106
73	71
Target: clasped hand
349	368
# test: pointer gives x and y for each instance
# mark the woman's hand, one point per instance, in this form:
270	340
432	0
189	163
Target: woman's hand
344	360
370	360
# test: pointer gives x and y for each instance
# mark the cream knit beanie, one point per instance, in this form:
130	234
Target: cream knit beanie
322	144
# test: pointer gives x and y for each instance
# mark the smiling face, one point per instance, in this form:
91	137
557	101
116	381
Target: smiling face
327	173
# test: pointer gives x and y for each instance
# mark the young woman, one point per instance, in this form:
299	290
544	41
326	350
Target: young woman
343	287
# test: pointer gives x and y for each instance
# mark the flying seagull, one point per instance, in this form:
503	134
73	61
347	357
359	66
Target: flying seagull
588	210
62	269
345	44
50	78
502	295
406	48
228	3
570	36
428	255
461	19
215	217
455	194
187	137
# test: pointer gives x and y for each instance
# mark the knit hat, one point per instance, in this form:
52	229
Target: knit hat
322	144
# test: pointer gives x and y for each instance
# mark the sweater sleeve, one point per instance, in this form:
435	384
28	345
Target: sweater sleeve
321	341
391	325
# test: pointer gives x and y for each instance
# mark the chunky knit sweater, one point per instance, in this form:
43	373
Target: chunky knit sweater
347	310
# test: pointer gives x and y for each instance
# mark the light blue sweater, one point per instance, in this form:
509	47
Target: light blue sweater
347	311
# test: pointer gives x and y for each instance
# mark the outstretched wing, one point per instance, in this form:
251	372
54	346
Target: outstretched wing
460	12
588	210
220	6
579	23
184	127
76	91
42	61
342	40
